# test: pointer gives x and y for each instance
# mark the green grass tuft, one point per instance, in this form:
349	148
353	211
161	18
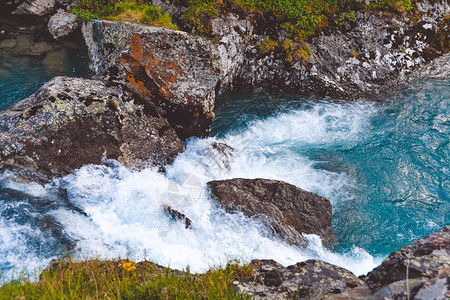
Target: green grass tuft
124	11
123	279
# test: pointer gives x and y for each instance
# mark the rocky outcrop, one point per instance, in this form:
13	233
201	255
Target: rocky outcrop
311	279
425	264
174	69
417	271
35	7
359	60
62	24
289	210
71	122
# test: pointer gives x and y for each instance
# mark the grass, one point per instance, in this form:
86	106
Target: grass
123	279
124	11
300	19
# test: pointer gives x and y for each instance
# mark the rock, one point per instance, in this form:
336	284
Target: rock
436	288
230	34
311	279
291	211
71	122
437	69
172	68
360	61
35	7
62	24
178	216
8	43
175	8
417	271
37	49
428	257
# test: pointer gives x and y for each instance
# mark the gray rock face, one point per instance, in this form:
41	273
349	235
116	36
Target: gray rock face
62	24
229	33
360	61
417	271
71	122
307	280
291	211
175	69
35	7
428	258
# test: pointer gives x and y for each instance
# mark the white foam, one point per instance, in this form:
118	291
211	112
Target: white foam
125	207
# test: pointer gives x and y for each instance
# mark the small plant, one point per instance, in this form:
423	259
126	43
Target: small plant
396	5
267	46
343	19
127	265
152	14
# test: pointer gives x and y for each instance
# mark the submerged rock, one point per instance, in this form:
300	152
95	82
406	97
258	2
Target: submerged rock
37	49
172	68
62	24
311	279
71	122
291	211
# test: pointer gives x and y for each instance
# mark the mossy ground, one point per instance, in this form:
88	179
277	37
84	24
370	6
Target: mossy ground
124	11
123	279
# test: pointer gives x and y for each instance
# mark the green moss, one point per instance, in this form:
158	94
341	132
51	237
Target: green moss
124	11
300	18
396	5
344	18
267	46
123	279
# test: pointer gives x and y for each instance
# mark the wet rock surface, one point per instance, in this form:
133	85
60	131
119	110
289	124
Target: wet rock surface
172	68
289	210
71	122
425	260
417	271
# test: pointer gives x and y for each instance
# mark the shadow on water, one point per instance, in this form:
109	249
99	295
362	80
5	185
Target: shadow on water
29	57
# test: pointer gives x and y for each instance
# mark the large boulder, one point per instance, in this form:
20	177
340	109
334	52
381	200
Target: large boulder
62	24
416	271
70	122
311	279
176	70
289	210
425	263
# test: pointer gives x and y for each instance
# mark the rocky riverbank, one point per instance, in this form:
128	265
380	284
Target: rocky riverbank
417	271
154	88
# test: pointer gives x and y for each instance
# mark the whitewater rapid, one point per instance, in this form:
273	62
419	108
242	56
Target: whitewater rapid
120	211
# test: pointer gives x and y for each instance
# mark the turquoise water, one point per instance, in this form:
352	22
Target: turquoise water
383	165
394	155
21	76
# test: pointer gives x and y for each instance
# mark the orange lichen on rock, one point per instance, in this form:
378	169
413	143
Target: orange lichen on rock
137	46
140	85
